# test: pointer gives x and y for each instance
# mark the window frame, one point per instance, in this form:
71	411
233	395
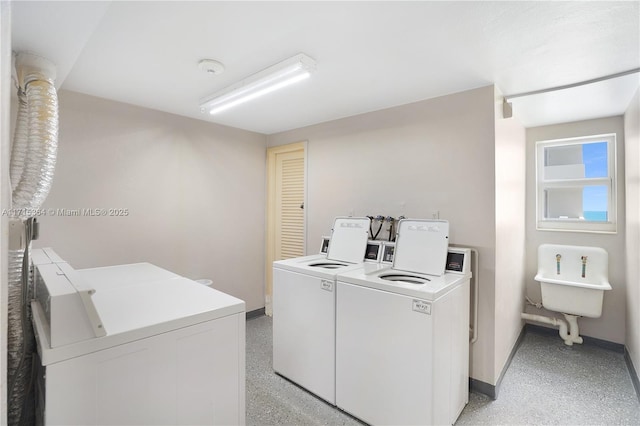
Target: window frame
542	185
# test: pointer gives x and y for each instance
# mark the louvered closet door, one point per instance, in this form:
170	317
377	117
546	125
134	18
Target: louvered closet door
289	205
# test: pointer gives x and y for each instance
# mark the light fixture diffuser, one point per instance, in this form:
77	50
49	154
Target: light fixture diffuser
266	81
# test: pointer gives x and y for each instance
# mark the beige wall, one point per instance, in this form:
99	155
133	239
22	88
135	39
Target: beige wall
632	162
611	326
194	191
410	160
510	144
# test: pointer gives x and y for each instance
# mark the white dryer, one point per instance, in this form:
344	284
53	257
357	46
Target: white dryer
402	334
135	344
304	306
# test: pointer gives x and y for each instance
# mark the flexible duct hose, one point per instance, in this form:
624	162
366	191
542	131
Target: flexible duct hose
35	155
33	158
20	343
20	137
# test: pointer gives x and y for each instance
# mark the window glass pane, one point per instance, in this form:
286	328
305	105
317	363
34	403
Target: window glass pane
594	203
586	203
595	159
576	161
563	203
563	162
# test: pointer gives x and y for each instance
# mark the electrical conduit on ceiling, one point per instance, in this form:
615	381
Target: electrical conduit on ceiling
33	158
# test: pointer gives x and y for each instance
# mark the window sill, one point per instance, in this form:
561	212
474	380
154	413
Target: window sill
576	225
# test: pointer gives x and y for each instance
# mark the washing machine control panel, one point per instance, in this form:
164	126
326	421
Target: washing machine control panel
373	252
458	260
388	249
324	247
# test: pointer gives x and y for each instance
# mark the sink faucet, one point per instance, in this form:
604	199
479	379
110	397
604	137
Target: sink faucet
584	265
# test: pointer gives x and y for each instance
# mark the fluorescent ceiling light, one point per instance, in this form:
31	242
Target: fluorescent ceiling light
266	81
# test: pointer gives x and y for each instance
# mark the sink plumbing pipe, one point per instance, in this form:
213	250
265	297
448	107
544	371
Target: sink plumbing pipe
569	330
33	158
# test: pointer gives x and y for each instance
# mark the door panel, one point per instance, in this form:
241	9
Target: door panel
286	172
289	205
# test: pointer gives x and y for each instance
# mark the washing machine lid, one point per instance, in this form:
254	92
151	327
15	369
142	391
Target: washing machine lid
349	239
421	246
76	312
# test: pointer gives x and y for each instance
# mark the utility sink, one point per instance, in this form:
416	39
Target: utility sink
573	278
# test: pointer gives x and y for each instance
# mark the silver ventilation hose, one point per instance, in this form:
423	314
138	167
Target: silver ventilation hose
21	133
34	155
33	158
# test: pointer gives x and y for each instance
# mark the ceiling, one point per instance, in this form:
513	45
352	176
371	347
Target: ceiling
370	55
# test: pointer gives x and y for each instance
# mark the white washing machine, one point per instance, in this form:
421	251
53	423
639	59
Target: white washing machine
402	334
135	344
304	306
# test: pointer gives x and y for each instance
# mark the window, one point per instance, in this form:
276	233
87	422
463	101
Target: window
575	182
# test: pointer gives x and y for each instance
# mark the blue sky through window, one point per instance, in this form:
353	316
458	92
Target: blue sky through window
594	198
594	156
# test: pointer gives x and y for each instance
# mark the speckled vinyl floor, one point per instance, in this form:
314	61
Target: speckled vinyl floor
547	383
273	400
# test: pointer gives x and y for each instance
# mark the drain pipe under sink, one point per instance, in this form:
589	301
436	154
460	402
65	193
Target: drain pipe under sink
569	337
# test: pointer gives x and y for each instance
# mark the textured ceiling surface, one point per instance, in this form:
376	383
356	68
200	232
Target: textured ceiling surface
370	55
